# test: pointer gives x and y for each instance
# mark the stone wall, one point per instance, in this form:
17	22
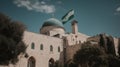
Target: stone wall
41	57
71	50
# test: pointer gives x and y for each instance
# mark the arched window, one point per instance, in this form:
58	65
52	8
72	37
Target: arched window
31	62
41	47
51	48
58	48
32	46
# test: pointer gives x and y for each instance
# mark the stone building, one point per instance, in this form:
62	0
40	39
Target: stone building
52	47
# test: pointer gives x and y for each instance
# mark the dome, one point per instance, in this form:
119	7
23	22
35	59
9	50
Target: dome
53	22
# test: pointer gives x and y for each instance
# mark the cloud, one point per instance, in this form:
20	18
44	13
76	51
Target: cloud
118	9
117	12
36	5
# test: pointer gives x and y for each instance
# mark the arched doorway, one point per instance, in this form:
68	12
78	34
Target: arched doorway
31	62
51	62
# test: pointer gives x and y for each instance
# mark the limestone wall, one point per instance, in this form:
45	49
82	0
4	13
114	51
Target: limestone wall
116	45
41	57
76	38
71	50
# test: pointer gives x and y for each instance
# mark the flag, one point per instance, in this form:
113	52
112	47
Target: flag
68	16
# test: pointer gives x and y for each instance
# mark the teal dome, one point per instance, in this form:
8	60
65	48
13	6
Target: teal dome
52	22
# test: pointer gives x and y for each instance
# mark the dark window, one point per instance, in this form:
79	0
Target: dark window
58	49
32	46
41	47
51	48
57	35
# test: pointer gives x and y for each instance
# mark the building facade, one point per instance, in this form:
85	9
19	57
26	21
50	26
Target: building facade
52	47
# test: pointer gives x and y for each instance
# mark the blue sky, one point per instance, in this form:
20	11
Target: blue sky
93	16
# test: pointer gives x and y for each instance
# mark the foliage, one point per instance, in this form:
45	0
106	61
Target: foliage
107	43
97	55
113	61
90	55
110	45
11	44
102	41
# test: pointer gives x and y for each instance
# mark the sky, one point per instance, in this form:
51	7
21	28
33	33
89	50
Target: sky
93	16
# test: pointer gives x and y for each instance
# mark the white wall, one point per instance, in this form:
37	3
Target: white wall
41	56
76	38
116	45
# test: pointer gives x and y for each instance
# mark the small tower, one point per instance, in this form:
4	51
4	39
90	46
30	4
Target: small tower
74	27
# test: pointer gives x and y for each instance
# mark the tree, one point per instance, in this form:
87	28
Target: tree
107	42
113	61
103	41
90	55
11	44
110	45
